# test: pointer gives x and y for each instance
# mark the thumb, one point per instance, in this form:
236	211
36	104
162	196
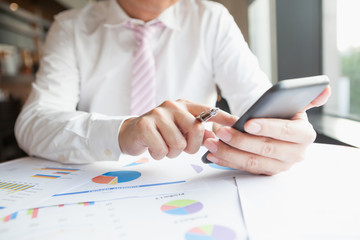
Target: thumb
319	100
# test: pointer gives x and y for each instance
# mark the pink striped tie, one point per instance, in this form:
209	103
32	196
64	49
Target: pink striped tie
143	85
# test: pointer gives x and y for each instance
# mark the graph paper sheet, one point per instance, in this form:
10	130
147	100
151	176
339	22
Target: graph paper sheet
26	181
213	213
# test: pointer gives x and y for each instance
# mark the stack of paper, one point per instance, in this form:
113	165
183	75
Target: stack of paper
135	198
182	198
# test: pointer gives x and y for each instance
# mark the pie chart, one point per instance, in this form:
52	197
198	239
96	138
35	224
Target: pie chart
116	177
181	207
210	232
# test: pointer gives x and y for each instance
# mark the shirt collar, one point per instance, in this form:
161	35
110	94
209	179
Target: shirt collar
117	16
171	17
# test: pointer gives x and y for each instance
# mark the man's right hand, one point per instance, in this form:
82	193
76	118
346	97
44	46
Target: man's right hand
167	130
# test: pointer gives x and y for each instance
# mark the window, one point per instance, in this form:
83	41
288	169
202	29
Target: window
341	55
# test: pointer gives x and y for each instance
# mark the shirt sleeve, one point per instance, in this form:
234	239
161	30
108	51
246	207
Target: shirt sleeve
236	69
49	126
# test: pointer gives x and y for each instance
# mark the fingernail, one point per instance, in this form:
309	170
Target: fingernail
211	145
224	134
212	158
252	127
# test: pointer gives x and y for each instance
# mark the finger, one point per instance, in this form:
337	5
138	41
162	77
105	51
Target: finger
208	134
193	108
237	159
253	164
172	136
224	118
168	129
149	136
179	128
300	116
296	131
184	113
192	129
194	138
319	100
263	146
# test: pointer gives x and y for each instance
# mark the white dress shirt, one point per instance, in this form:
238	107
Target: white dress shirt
82	91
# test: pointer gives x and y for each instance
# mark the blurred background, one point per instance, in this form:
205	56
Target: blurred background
291	39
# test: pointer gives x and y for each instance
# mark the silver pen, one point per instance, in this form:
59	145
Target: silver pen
204	116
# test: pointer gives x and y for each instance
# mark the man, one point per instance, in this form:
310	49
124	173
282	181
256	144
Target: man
81	106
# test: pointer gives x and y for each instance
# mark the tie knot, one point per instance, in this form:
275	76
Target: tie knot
144	32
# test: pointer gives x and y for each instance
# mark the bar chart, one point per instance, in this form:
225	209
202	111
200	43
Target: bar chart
14	187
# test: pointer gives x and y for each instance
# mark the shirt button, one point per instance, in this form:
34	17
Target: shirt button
62	158
108	153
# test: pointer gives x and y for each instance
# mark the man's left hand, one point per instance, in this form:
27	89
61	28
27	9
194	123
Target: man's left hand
269	146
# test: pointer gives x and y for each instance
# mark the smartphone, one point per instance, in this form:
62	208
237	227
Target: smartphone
283	100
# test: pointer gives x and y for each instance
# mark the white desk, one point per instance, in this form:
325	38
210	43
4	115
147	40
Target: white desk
317	199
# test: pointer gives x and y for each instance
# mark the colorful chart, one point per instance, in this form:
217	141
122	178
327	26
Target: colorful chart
116	177
86	203
45	176
213	165
14	187
10	217
138	162
210	232
33	212
181	207
59	169
62	173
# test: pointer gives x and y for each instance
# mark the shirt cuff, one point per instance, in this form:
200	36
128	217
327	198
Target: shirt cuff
103	139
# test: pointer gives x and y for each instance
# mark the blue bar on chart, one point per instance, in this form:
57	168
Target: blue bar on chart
45	176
